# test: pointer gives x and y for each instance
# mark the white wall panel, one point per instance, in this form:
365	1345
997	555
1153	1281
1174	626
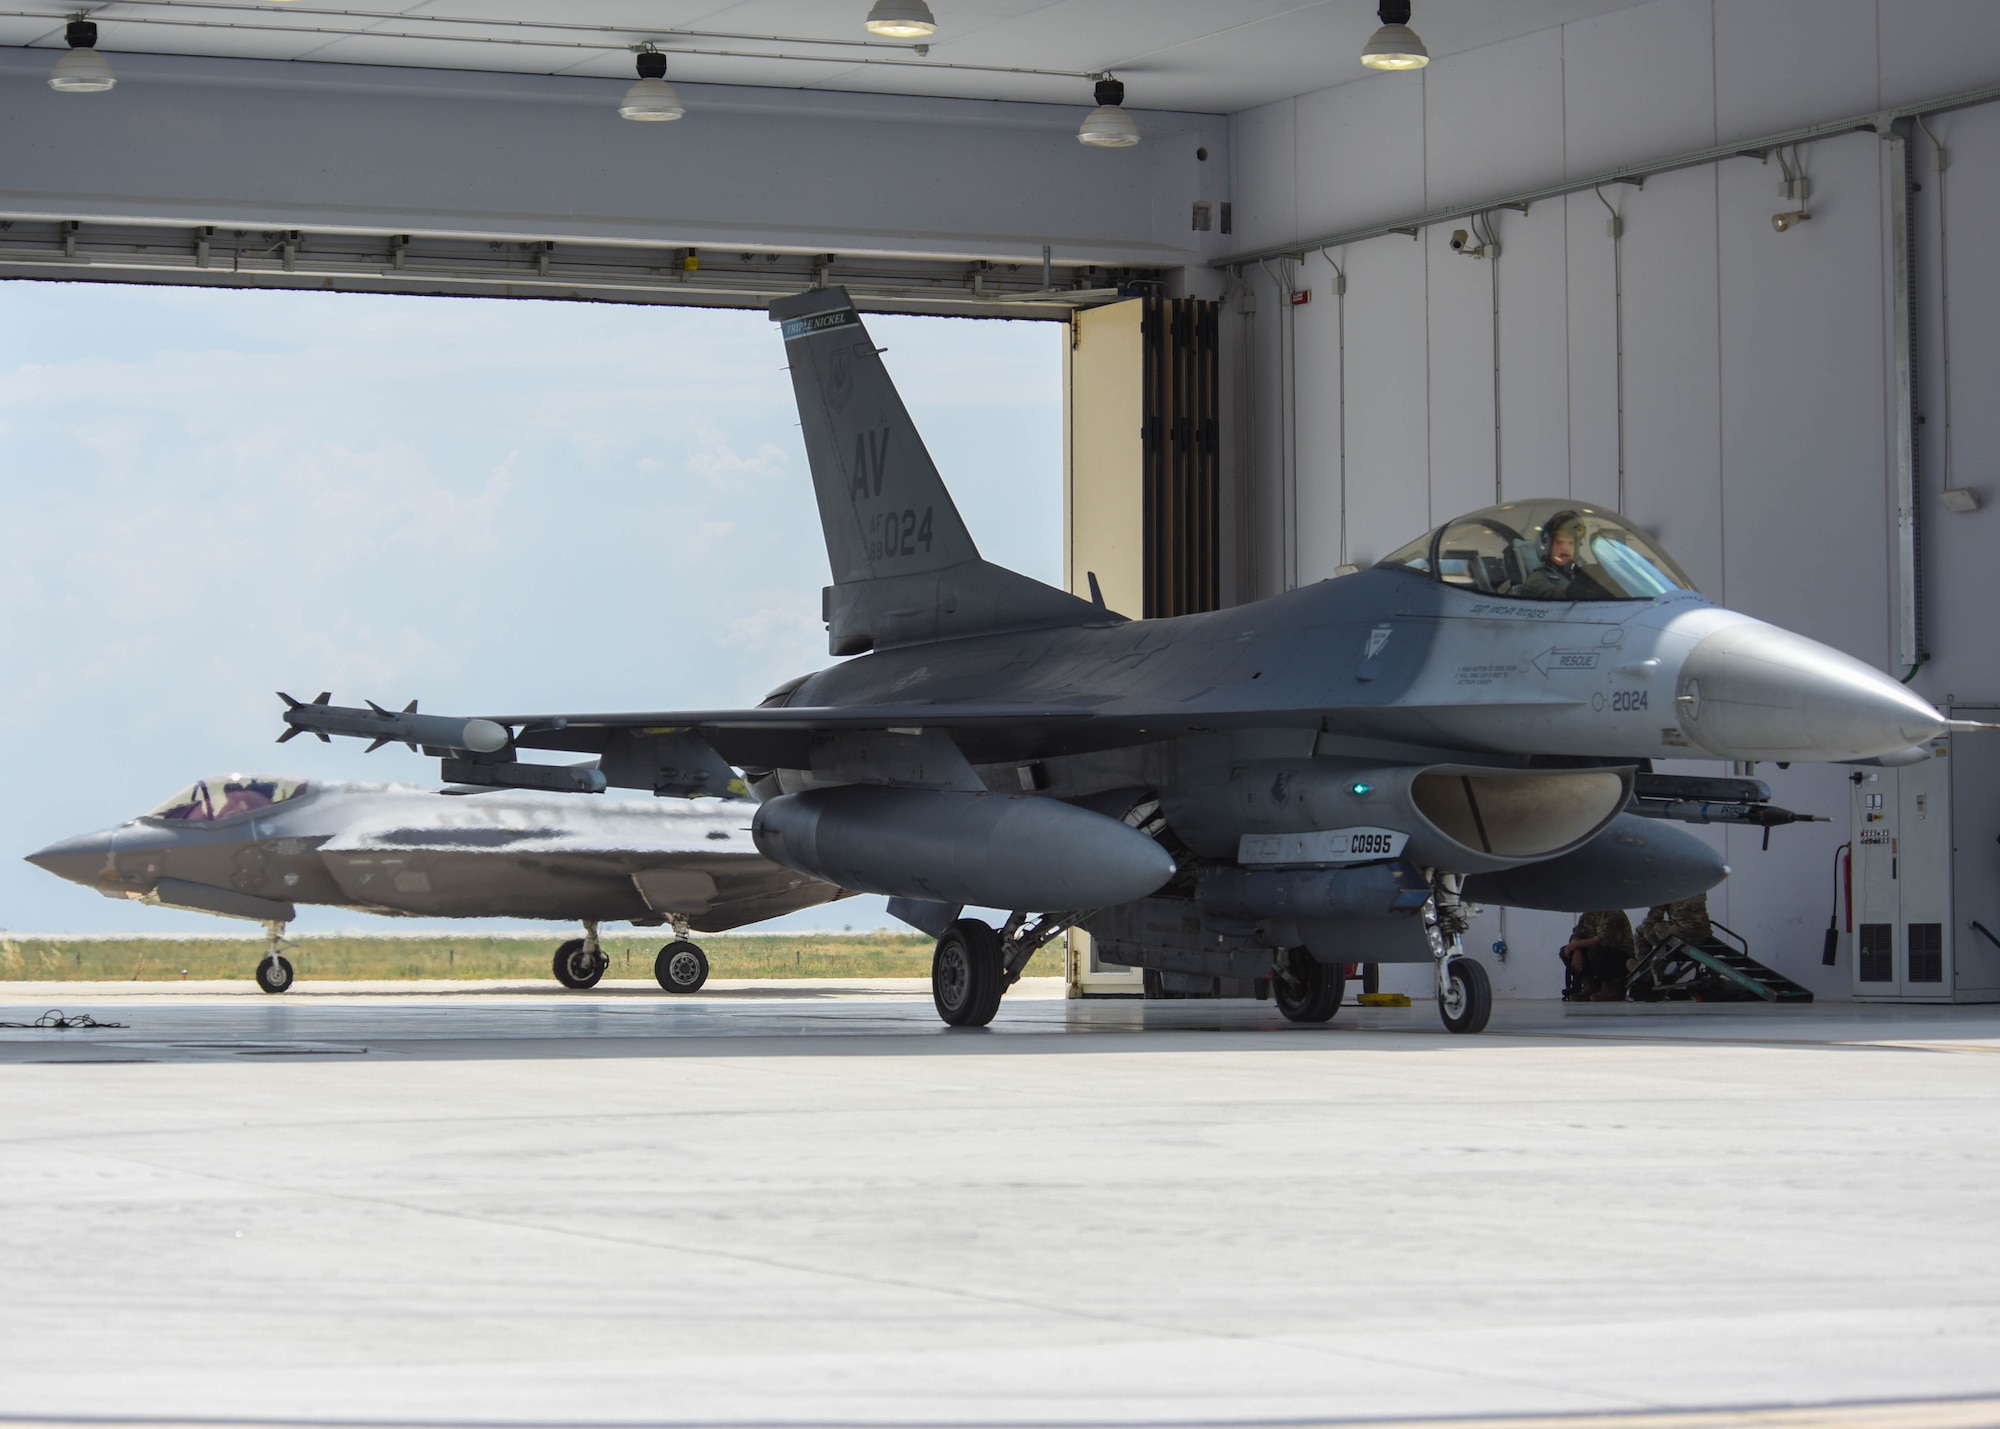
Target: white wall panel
260	144
1493	119
1673	389
1936	47
1534	352
1782	63
1963	586
1461	379
1638	83
1316	329
1805	502
1360	152
1264	148
1388	397
1592	319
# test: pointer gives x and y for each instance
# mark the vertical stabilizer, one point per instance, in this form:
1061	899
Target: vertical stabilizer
905	569
881	501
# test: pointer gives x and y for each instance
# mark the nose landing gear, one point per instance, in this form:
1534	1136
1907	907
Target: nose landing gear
580	963
1464	992
274	973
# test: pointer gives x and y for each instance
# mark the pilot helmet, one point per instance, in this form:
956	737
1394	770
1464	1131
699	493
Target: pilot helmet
1571	521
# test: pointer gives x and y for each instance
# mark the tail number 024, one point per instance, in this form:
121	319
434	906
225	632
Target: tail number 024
899	533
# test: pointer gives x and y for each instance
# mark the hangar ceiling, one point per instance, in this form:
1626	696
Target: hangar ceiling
1194	55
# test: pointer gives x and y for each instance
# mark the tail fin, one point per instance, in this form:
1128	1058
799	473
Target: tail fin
905	569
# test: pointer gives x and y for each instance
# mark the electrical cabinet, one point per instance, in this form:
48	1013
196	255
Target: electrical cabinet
1926	873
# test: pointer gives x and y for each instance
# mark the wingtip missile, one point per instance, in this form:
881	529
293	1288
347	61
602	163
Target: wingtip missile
380	726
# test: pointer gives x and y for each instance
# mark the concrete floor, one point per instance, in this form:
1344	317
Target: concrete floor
809	1204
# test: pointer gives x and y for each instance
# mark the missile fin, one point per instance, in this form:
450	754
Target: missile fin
292	733
410	708
377	745
290	703
375	707
325	697
324	737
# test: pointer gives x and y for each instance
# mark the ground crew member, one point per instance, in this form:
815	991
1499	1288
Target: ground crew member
1596	956
1686	920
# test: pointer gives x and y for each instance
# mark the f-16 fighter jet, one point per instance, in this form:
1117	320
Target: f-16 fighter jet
250	847
1332	775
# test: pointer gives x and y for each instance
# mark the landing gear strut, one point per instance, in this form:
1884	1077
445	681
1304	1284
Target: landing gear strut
1464	993
274	974
975	963
580	962
681	966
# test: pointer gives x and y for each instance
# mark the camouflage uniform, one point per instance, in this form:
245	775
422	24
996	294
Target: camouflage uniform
1686	920
1603	972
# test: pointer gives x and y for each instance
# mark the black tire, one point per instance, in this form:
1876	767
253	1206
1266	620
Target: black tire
274	974
1470	1002
966	974
681	967
576	969
1313	991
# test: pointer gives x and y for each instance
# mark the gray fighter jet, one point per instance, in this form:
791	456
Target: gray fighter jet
244	846
1260	794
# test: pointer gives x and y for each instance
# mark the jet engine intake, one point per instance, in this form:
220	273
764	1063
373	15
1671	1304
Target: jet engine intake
1462	818
1021	852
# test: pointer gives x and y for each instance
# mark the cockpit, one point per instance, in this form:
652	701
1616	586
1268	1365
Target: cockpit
209	800
1547	549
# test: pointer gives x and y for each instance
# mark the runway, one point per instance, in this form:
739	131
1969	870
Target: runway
810	1204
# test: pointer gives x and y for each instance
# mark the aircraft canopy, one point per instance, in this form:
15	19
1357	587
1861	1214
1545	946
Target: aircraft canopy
226	796
1546	549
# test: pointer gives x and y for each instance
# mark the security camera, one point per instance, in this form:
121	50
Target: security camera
1783	222
1459	240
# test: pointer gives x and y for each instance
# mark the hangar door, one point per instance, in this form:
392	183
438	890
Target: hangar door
1141	484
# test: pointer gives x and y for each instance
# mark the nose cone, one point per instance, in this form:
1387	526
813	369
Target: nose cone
83	859
1753	691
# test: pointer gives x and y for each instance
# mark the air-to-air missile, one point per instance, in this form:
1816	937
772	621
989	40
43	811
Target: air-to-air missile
1263	793
244	846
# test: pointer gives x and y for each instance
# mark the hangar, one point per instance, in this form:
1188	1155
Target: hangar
1689	261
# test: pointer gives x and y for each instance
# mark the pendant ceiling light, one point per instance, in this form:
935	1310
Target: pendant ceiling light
901	20
652	98
83	70
1109	126
1395	45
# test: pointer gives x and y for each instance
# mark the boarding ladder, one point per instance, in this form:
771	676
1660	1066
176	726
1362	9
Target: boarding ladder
1718	969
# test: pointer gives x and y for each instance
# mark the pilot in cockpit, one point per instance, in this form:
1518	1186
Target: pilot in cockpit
1554	577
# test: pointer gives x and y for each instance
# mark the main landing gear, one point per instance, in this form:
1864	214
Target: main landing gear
1306	989
580	962
682	966
275	974
975	963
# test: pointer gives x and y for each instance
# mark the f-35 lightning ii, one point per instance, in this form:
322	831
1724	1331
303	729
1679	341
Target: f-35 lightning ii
1332	775
247	846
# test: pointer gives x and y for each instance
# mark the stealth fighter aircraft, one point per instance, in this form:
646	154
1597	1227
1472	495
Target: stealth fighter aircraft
250	847
1261	794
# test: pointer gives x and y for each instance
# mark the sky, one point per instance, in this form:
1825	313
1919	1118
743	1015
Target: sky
486	504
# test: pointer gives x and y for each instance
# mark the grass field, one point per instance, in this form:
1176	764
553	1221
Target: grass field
375	957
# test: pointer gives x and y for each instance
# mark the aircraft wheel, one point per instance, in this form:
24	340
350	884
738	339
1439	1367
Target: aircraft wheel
1467	1000
966	974
681	967
577	969
274	974
1313	992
